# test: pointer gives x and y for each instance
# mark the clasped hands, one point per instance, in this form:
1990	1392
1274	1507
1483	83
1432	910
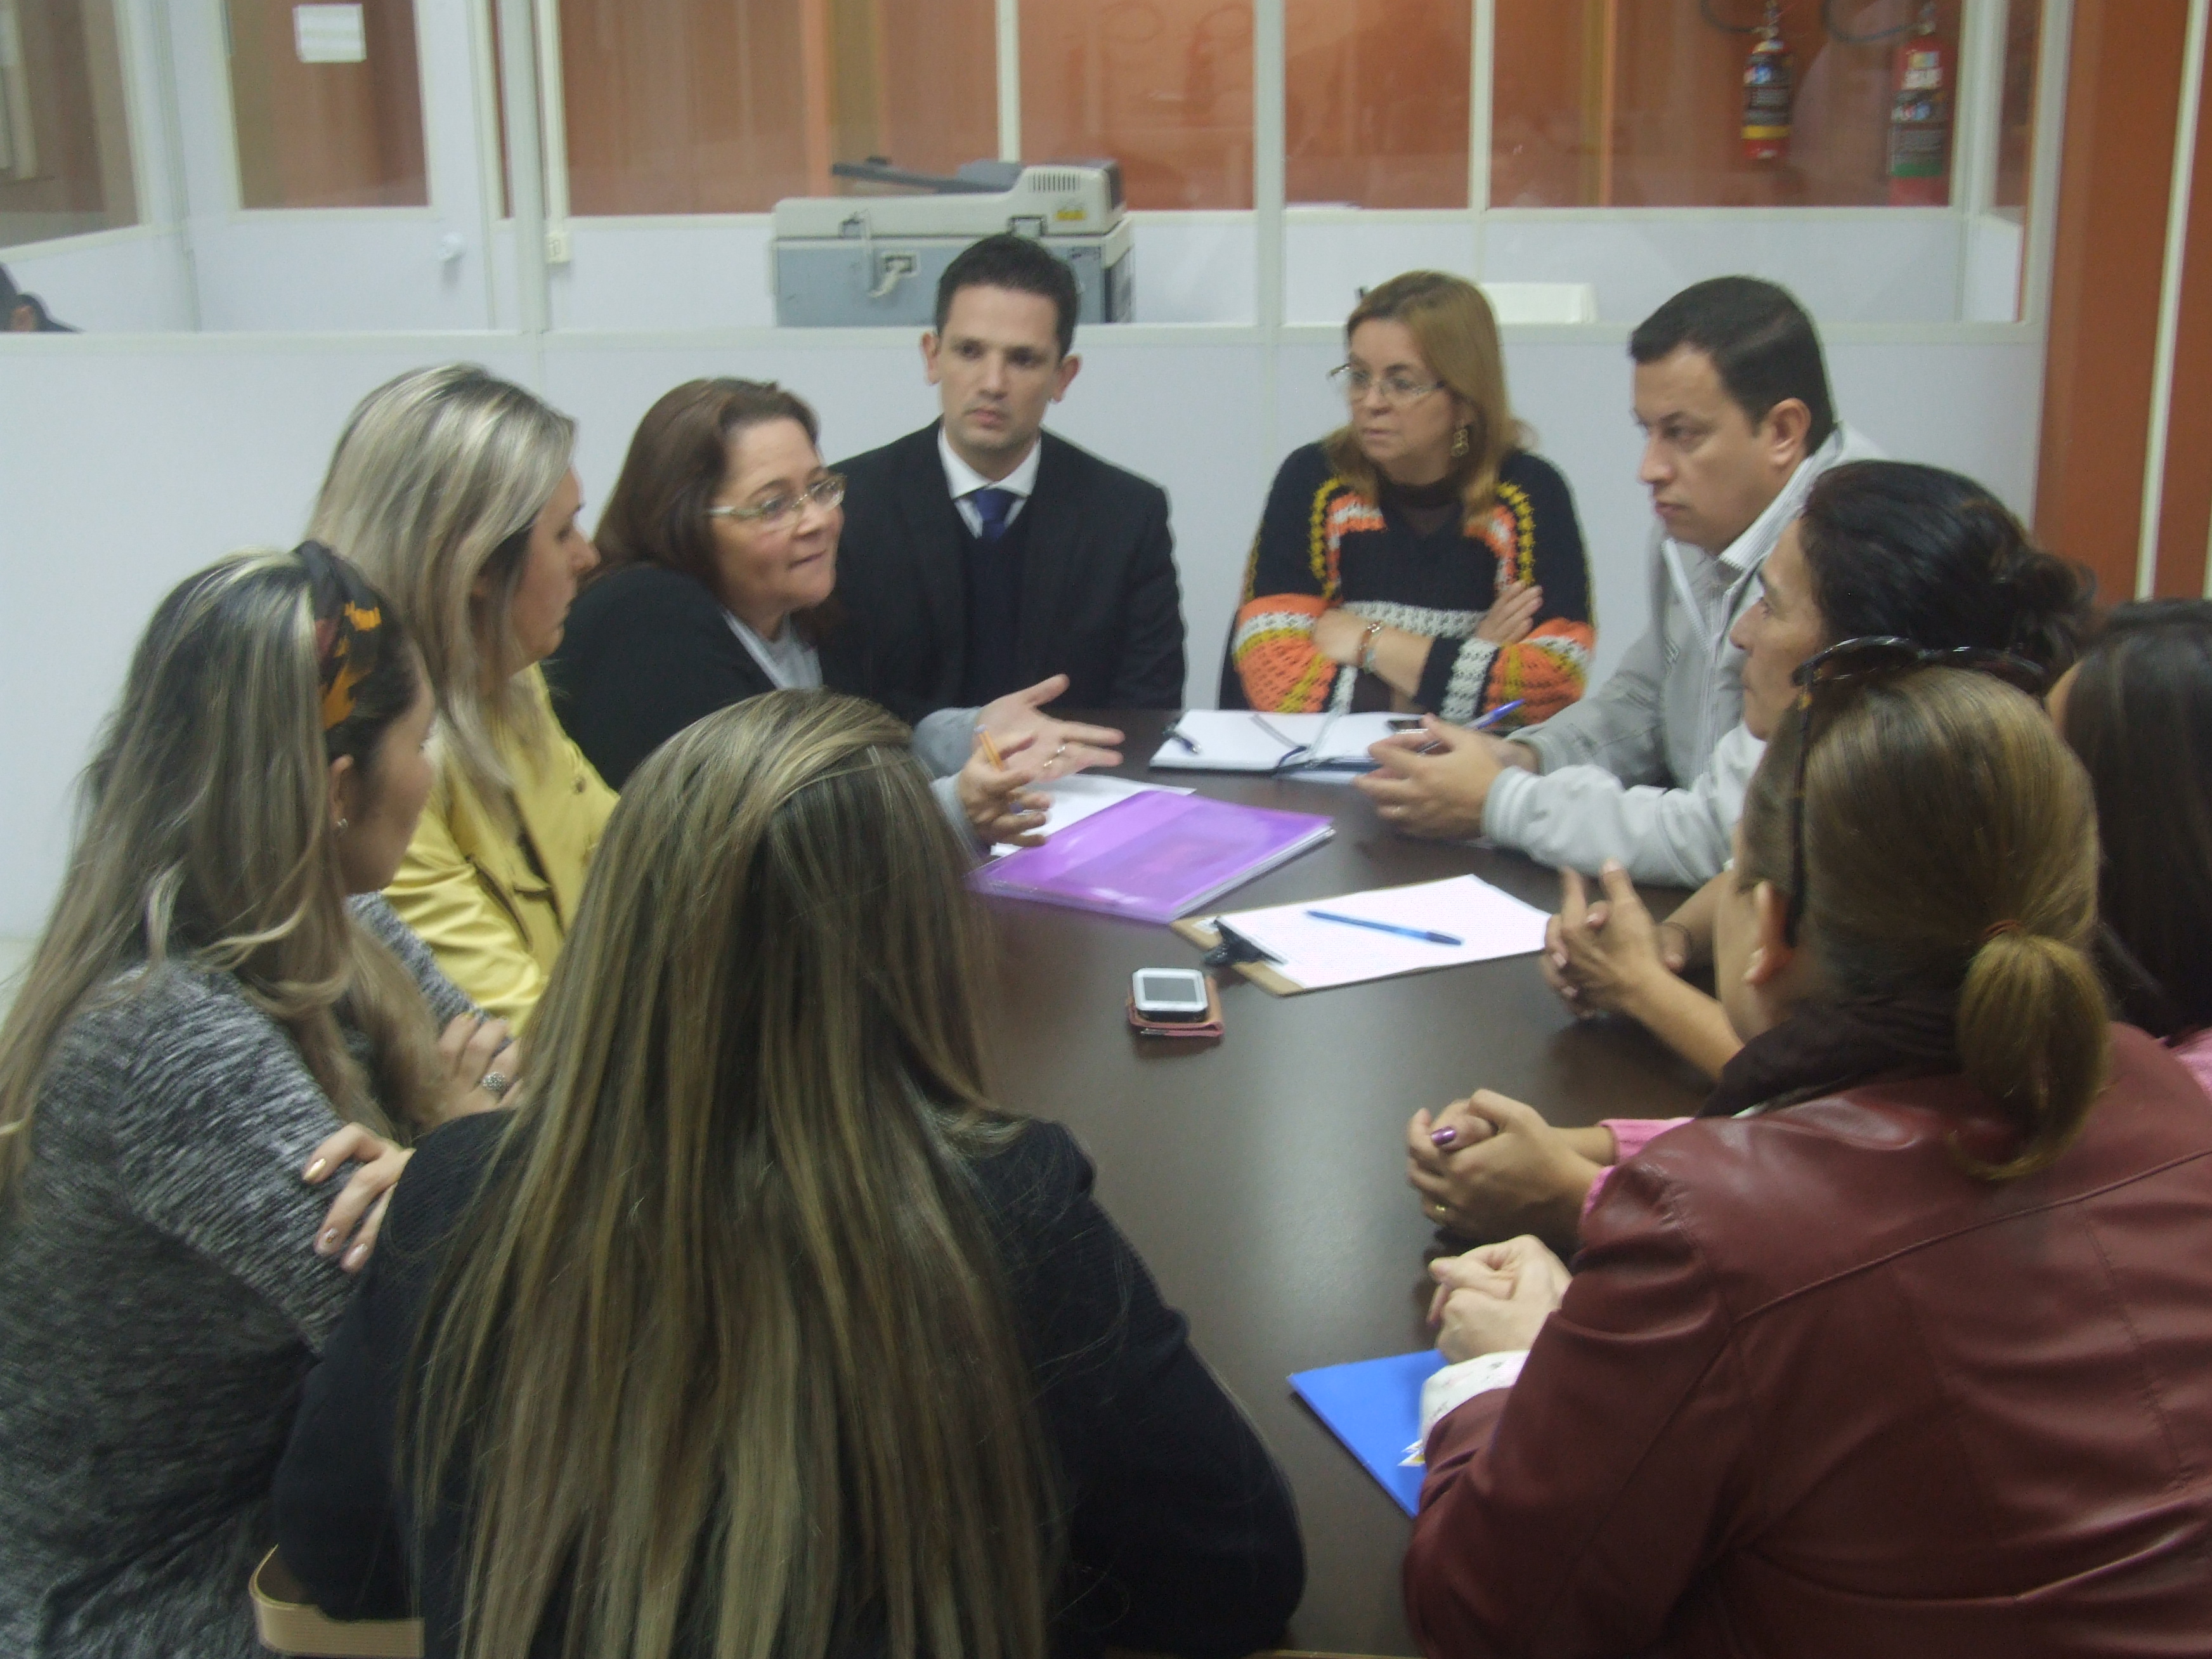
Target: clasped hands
1489	1165
1495	1298
1610	957
1033	748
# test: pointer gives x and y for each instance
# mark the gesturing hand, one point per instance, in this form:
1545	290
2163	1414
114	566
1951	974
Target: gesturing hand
358	1211
1495	1299
1018	721
1000	804
1439	794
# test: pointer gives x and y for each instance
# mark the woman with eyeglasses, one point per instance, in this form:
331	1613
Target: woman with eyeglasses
719	545
1900	1347
2137	709
1883	549
452	490
1420	556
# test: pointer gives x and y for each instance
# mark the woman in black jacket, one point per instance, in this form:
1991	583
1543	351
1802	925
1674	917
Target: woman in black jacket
757	1327
718	555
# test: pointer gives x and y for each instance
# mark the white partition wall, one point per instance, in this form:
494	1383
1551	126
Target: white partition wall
224	345
131	462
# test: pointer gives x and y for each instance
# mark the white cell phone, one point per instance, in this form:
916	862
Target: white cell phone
1170	996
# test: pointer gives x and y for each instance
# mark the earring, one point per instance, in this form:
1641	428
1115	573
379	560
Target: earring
341	826
1460	445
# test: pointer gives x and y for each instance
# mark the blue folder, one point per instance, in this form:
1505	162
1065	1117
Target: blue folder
1374	1407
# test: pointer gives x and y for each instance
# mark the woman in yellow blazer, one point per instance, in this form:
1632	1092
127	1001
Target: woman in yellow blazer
452	490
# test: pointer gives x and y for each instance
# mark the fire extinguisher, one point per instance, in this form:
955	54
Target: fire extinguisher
1767	92
1920	117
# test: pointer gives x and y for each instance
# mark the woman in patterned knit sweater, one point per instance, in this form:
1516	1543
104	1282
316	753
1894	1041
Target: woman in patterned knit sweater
208	1030
1417	557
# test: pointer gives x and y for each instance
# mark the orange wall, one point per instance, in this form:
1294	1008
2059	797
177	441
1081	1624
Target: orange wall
2123	91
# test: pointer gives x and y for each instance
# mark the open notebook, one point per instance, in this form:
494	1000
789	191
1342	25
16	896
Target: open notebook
1236	740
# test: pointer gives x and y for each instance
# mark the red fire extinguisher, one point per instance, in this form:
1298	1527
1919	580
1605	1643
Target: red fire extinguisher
1920	117
1767	92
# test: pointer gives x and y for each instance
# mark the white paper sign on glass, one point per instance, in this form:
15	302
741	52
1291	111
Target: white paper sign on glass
330	34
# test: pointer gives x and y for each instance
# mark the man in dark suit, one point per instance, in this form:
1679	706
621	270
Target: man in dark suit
983	554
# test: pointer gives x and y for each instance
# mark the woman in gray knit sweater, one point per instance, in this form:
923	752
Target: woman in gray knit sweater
208	1031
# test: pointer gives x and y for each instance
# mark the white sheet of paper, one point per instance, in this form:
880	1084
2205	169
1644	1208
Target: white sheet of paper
1075	798
1236	740
1489	922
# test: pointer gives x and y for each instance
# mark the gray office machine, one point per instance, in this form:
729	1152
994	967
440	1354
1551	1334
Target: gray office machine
847	261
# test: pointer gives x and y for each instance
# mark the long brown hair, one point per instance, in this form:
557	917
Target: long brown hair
204	839
724	1348
1951	850
1457	332
678	459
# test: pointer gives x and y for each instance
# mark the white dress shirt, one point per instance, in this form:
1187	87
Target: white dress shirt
962	481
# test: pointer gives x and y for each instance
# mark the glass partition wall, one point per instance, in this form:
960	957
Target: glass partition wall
1584	157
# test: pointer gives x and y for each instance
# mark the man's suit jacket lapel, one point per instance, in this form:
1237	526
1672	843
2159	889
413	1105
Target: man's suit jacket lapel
932	523
1049	558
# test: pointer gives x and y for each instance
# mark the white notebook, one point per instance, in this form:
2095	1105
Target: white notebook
1236	740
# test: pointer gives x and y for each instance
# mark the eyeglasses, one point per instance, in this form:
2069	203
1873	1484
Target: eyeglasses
1357	383
825	492
1868	658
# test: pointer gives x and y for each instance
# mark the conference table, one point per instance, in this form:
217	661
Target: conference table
1263	1176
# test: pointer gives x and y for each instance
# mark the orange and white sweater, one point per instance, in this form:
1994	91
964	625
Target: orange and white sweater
1322	545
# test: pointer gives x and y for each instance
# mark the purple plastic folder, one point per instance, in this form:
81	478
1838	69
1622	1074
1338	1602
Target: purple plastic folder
1154	856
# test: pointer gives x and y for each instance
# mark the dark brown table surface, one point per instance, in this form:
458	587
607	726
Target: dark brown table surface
1262	1177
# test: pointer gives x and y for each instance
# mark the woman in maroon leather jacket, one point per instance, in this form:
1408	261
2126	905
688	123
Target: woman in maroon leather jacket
1905	1347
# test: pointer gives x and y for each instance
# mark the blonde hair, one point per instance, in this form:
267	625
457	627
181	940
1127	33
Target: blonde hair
725	1344
1457	332
1951	848
204	837
434	485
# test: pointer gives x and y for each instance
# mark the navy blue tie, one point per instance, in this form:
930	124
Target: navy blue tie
992	506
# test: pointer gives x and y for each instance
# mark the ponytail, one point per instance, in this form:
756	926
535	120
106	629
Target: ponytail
1951	855
2033	1034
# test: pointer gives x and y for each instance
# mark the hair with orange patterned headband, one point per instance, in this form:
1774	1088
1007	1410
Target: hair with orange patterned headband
349	617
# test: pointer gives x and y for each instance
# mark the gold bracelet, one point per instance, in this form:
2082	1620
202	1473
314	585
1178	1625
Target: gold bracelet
1367	648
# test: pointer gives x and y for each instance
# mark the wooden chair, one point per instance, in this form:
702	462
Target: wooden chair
288	1622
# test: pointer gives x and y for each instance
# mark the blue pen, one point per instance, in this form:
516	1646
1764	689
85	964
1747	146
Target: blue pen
1497	714
1422	934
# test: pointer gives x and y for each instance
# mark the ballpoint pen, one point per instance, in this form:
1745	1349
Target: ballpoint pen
1175	734
1497	714
1421	933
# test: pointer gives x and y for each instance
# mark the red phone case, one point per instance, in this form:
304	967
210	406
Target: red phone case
1209	1027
